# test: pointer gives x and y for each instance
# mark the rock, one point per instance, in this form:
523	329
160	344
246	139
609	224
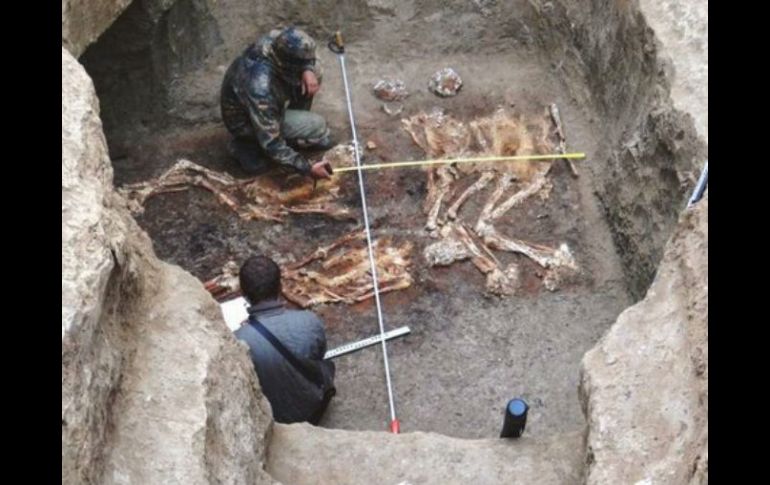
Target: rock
485	6
189	408
301	454
155	389
370	145
92	359
682	31
390	90
644	387
83	21
445	82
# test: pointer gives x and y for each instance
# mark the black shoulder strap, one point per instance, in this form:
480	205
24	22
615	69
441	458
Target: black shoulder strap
291	358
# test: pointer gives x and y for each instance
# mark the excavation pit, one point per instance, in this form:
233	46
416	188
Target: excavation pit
469	350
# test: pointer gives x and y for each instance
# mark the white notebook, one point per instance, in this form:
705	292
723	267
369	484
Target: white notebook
235	312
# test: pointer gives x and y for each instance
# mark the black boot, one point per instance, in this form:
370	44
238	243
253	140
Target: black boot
249	156
325	143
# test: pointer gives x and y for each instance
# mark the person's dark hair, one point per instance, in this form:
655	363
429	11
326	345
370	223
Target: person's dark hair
260	279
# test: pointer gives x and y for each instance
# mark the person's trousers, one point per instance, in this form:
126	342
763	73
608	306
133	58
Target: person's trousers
300	129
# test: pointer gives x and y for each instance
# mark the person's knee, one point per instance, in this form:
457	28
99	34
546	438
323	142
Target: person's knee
307	129
311	125
319	126
318	131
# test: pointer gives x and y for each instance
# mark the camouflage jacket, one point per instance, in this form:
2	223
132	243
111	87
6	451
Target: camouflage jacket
255	95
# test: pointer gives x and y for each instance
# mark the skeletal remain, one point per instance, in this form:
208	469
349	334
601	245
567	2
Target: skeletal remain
553	110
457	244
390	89
480	184
446	251
337	272
323	251
393	109
265	198
445	82
225	285
501	134
537	184
441	137
505	282
543	255
345	276
436	192
503	183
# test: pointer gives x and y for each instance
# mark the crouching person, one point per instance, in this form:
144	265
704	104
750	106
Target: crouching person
286	346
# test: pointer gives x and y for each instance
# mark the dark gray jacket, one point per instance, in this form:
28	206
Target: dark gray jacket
292	397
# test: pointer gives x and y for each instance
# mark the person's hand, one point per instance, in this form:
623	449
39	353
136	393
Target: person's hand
321	170
310	84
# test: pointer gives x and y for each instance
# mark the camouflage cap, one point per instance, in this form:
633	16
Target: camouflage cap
294	46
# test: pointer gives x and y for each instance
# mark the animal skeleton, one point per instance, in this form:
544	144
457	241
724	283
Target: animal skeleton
266	197
338	272
501	134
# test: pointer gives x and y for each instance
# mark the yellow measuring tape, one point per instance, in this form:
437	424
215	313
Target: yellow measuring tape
376	166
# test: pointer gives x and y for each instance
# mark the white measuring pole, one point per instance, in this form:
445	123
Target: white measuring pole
394	424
